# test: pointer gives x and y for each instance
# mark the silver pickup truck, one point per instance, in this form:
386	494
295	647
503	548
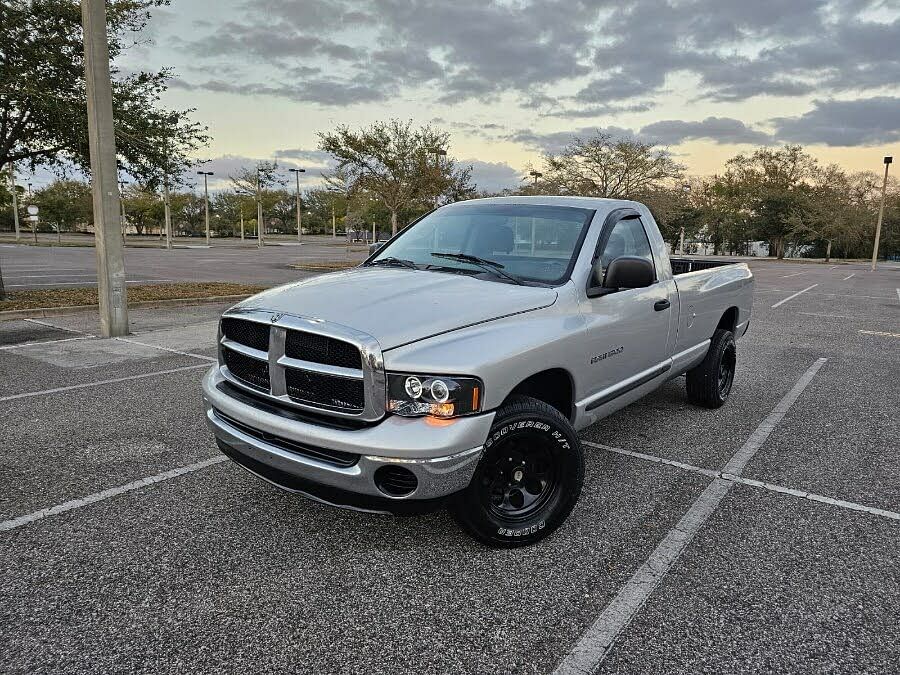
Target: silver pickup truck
455	365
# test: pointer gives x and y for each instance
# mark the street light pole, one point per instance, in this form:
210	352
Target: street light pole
206	174
887	165
259	217
113	301
15	199
687	189
535	175
297	173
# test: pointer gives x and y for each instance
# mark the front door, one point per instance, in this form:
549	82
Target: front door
627	330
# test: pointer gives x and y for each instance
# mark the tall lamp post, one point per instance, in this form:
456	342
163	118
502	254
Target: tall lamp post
206	175
535	174
887	165
686	188
297	173
438	153
259	222
15	200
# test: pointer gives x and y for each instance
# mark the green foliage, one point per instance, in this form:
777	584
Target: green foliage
65	204
396	164
43	107
601	166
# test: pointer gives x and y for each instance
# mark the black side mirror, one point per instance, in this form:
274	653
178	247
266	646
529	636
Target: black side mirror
629	272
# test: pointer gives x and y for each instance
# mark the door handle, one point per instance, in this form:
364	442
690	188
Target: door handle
660	305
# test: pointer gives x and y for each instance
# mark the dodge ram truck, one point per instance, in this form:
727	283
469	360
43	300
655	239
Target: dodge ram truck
456	365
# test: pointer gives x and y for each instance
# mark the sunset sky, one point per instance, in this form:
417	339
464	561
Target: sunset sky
510	80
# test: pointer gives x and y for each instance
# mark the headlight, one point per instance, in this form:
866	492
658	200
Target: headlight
438	395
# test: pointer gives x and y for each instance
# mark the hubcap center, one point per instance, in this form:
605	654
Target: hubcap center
518	475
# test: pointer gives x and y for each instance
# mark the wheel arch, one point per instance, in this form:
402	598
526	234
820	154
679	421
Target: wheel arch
553	386
729	320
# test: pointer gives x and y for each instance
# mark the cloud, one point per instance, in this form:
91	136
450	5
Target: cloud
492	176
718	129
868	121
555	141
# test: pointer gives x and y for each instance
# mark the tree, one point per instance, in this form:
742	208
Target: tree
395	162
43	106
65	204
602	166
143	208
773	185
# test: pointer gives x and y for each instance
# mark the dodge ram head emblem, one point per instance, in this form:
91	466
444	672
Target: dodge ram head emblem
276	317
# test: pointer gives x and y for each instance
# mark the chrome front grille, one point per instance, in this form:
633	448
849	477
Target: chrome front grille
305	363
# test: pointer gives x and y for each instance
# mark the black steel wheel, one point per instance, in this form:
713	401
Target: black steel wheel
528	479
710	383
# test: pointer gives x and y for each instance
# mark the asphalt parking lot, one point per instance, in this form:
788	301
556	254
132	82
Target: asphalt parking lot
36	267
761	537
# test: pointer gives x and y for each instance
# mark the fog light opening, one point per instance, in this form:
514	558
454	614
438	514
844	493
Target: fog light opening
395	481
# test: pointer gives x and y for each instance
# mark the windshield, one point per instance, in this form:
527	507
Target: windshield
531	243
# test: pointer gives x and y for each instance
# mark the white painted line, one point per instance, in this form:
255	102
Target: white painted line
795	274
791	297
594	645
898	294
166	349
826	316
53	325
849	277
87	283
45	276
832	267
106	494
772	487
881	333
44	342
99	383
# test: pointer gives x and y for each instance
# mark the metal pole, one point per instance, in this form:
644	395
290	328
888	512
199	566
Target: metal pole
102	142
887	165
167	210
333	222
681	242
297	174
206	200
122	201
242	221
259	216
15	199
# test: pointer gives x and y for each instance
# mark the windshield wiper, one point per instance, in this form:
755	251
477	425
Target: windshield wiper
483	263
391	260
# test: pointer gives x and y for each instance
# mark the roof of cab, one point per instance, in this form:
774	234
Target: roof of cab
596	203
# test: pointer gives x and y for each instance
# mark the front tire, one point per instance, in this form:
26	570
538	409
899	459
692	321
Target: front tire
709	384
528	480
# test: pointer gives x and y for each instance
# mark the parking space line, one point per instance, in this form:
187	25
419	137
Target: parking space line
898	294
596	642
52	325
791	297
880	333
106	494
5	348
795	274
167	349
99	383
772	487
848	277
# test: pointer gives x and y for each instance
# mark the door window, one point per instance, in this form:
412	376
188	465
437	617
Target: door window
627	238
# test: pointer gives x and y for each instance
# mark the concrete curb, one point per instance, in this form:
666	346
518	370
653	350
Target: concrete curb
43	312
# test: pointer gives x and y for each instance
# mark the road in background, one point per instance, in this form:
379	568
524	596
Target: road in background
27	267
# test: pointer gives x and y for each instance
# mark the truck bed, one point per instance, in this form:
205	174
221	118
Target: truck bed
685	265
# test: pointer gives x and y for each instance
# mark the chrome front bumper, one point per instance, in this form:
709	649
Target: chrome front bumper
442	454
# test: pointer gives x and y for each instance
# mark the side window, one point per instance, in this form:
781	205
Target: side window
627	238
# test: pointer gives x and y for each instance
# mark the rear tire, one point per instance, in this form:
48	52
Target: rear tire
709	384
528	480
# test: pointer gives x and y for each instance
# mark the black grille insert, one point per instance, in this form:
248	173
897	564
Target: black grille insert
335	457
248	333
247	369
339	393
321	349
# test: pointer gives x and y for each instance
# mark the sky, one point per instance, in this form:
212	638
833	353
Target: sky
706	79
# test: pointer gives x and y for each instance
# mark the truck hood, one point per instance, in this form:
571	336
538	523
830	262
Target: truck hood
399	306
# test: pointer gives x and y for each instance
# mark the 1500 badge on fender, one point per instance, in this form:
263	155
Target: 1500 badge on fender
606	355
